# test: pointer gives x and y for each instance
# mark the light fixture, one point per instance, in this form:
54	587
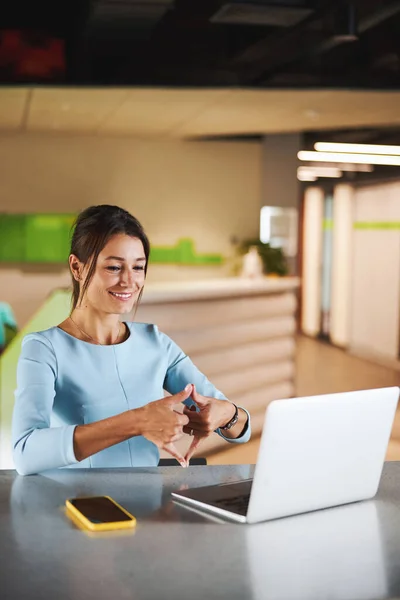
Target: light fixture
306	177
345	22
357	148
320	171
345	167
338	157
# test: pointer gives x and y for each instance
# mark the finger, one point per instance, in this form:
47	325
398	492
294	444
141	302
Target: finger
177	437
194	417
201	401
179	397
192	408
198	432
192	449
183	419
170	448
199	420
189	414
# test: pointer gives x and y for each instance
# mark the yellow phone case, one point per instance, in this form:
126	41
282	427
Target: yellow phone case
110	526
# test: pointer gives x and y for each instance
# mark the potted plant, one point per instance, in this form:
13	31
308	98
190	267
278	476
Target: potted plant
273	259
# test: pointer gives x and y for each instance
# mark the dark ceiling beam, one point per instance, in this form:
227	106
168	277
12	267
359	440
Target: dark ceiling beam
280	43
193	76
354	78
287	50
365	24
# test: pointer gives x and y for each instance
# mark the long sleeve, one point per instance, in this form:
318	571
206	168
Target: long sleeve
37	446
182	371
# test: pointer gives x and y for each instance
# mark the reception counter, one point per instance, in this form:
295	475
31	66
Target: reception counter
239	332
347	553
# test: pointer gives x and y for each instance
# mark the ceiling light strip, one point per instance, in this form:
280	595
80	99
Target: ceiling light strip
338	157
321	171
306	177
357	148
342	167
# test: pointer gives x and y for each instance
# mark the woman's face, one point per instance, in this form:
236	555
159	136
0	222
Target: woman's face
119	276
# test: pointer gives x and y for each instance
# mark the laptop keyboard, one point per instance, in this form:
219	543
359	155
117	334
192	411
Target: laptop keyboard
237	504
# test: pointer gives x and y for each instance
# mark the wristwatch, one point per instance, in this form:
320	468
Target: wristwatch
233	421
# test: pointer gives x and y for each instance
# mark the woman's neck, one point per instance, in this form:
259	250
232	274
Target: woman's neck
103	329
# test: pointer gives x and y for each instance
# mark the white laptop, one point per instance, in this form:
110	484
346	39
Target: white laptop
315	452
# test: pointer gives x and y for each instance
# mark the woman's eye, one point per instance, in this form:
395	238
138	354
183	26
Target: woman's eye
115	269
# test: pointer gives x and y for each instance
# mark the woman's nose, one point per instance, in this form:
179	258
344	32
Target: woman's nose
126	277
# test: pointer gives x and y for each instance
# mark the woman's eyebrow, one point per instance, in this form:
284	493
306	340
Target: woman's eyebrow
120	258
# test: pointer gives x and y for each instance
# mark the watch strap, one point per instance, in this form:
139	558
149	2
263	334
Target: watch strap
233	421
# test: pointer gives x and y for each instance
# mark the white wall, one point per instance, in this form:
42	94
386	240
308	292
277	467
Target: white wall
341	280
312	257
376	272
208	191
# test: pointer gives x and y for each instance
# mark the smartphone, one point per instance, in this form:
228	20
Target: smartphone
100	513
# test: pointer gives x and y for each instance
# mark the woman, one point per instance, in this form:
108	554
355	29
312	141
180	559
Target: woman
87	389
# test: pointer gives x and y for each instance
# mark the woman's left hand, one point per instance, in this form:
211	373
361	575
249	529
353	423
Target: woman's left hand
213	414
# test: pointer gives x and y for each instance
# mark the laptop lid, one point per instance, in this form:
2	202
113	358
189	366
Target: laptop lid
321	451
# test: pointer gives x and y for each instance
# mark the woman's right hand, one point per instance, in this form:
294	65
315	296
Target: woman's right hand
162	425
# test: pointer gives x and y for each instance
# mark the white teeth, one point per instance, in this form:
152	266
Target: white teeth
121	295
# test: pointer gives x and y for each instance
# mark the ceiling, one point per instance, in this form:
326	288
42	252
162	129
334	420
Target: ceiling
202	68
200	113
208	43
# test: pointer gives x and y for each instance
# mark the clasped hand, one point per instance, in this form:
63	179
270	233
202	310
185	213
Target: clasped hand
164	426
210	414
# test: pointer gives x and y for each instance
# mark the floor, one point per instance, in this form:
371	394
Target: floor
323	369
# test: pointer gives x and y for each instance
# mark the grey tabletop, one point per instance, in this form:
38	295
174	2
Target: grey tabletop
349	552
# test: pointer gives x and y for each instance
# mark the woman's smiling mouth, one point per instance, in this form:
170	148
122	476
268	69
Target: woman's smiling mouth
122	295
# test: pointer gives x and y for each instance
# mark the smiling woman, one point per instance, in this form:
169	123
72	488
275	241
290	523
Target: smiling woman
90	390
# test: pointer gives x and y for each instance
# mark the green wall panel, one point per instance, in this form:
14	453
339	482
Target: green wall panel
48	238
12	238
389	225
183	253
45	238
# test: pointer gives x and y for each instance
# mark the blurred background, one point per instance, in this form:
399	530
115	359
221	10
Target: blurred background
258	141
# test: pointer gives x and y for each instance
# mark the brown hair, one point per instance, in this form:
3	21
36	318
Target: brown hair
93	228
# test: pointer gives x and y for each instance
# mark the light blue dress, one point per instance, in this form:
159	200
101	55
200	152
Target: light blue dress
63	382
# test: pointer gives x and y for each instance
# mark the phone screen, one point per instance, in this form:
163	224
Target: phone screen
100	509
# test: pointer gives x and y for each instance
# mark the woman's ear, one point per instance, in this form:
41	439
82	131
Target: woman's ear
76	267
